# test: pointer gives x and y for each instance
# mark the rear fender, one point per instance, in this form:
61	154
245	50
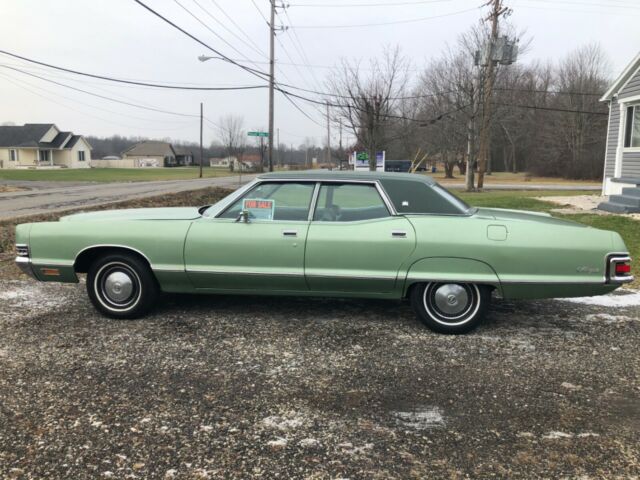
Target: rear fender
451	269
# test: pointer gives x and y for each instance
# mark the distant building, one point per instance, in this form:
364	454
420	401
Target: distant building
248	163
149	154
42	145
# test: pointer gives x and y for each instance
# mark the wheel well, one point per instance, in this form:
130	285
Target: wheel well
415	284
87	257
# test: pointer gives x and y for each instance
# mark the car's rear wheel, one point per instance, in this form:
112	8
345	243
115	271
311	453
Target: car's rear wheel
451	308
121	285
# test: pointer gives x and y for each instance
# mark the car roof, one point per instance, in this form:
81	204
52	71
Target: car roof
345	175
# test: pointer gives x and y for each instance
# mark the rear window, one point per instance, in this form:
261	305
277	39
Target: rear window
417	197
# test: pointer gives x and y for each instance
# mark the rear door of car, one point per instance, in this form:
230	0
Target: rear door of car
265	253
355	243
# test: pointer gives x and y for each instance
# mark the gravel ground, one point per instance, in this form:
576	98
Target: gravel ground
250	387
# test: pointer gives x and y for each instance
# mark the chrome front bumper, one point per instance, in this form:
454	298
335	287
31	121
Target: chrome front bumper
24	264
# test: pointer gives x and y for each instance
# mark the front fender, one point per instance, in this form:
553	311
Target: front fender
451	269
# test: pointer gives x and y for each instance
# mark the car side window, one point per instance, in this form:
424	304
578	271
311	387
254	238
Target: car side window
274	201
349	202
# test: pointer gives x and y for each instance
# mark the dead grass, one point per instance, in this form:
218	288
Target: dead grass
498	178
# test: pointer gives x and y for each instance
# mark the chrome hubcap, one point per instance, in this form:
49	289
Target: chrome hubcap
118	287
451	299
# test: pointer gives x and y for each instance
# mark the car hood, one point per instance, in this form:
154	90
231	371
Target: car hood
503	214
179	213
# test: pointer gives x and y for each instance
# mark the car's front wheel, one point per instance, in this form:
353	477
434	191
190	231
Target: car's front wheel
450	307
121	285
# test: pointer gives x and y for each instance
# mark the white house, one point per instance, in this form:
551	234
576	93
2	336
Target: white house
622	159
42	145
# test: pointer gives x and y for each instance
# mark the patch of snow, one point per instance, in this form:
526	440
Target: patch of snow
627	298
283	423
555	435
608	318
570	386
308	443
423	419
278	443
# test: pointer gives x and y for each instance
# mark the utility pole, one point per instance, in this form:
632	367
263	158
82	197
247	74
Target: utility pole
201	151
328	137
497	9
272	38
279	160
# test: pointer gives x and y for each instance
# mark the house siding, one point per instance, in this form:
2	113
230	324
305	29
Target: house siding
631	164
632	88
612	139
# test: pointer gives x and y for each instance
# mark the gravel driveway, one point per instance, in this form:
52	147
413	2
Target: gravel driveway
249	387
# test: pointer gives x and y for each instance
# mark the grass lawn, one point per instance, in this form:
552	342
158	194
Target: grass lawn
627	227
514	178
113	174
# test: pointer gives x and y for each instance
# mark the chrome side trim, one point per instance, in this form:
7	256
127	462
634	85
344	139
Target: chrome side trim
314	202
385	198
353	277
243	272
24	264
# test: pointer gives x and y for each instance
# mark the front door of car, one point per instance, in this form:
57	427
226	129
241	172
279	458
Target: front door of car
256	244
354	244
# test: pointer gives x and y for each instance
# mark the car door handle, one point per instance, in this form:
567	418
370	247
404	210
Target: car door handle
289	233
398	234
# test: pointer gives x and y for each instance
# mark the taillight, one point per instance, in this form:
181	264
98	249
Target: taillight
623	268
620	269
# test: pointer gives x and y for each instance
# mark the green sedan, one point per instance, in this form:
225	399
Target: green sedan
336	234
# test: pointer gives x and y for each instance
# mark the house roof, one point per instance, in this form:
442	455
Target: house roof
58	142
621	81
183	151
27	135
150	148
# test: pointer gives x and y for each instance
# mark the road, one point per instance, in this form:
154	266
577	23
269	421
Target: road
293	388
46	197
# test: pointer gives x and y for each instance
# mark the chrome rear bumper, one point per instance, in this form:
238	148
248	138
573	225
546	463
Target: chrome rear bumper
24	264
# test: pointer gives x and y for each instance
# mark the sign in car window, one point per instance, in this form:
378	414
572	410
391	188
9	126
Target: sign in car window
259	208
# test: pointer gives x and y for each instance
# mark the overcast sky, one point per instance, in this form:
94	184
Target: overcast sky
119	38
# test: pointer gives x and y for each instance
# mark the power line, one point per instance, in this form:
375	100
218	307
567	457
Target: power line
132	82
551	109
104	97
252	47
260	74
380	4
238	27
260	12
395	22
212	30
82	112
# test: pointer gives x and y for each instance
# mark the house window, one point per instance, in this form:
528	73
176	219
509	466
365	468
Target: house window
81	155
43	155
13	155
632	127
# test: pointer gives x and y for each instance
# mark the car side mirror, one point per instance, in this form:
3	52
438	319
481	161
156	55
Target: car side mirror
243	216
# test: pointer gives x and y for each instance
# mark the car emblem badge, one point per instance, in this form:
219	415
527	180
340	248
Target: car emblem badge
587	269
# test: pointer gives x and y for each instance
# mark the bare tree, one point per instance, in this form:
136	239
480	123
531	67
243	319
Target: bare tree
233	136
368	104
